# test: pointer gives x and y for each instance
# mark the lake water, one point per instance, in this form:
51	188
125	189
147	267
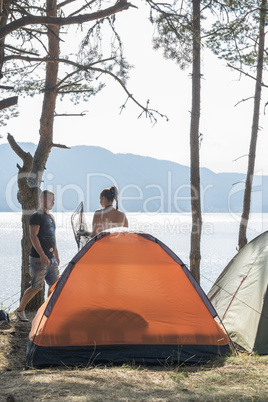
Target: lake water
218	246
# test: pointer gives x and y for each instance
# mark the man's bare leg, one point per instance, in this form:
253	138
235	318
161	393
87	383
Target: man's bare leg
28	295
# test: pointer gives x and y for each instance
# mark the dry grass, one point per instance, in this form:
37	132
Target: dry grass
237	378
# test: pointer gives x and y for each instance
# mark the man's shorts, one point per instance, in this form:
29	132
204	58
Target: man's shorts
41	273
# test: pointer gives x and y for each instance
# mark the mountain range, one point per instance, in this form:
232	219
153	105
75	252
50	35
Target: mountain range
145	184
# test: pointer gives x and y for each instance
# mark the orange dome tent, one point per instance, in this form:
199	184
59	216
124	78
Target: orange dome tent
125	297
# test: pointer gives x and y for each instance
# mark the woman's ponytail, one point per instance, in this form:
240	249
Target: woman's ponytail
114	194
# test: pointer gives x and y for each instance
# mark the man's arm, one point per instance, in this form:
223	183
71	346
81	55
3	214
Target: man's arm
34	230
56	253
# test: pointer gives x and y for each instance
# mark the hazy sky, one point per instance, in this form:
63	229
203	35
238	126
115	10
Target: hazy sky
226	128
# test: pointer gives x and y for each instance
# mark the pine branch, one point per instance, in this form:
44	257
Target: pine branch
145	109
76	83
79	19
60	146
5	103
246	74
17	149
6	87
234	160
244	100
65	3
20	50
35	34
82	8
78	91
59	84
71	114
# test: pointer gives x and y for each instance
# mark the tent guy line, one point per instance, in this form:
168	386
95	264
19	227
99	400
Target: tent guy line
203	276
19	291
246	276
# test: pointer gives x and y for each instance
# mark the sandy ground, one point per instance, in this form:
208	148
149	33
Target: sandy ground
240	378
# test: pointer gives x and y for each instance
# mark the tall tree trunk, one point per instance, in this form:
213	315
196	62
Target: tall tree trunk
30	175
195	254
4	15
46	123
28	198
242	239
29	203
5	11
49	103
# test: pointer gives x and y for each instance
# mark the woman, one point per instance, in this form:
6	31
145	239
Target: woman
108	217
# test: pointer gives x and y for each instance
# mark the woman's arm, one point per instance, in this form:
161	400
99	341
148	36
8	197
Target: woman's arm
96	223
83	233
125	225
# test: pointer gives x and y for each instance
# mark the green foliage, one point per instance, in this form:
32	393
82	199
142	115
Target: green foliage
81	73
230	30
174	32
107	54
5	115
175	39
234	35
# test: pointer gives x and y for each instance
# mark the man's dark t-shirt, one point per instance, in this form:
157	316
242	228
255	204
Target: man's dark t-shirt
46	234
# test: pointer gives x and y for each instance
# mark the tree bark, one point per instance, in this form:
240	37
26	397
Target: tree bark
4	14
46	128
49	102
242	238
195	254
5	11
30	175
28	198
5	103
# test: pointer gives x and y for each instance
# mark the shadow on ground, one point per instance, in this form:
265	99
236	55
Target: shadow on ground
221	379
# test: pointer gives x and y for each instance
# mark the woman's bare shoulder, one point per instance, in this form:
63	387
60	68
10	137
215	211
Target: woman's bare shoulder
97	213
121	213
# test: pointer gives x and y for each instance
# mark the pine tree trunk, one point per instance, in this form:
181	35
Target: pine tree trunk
195	254
28	198
46	137
49	102
5	11
242	239
31	174
27	209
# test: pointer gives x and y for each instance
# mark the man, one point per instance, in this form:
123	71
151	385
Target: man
44	257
